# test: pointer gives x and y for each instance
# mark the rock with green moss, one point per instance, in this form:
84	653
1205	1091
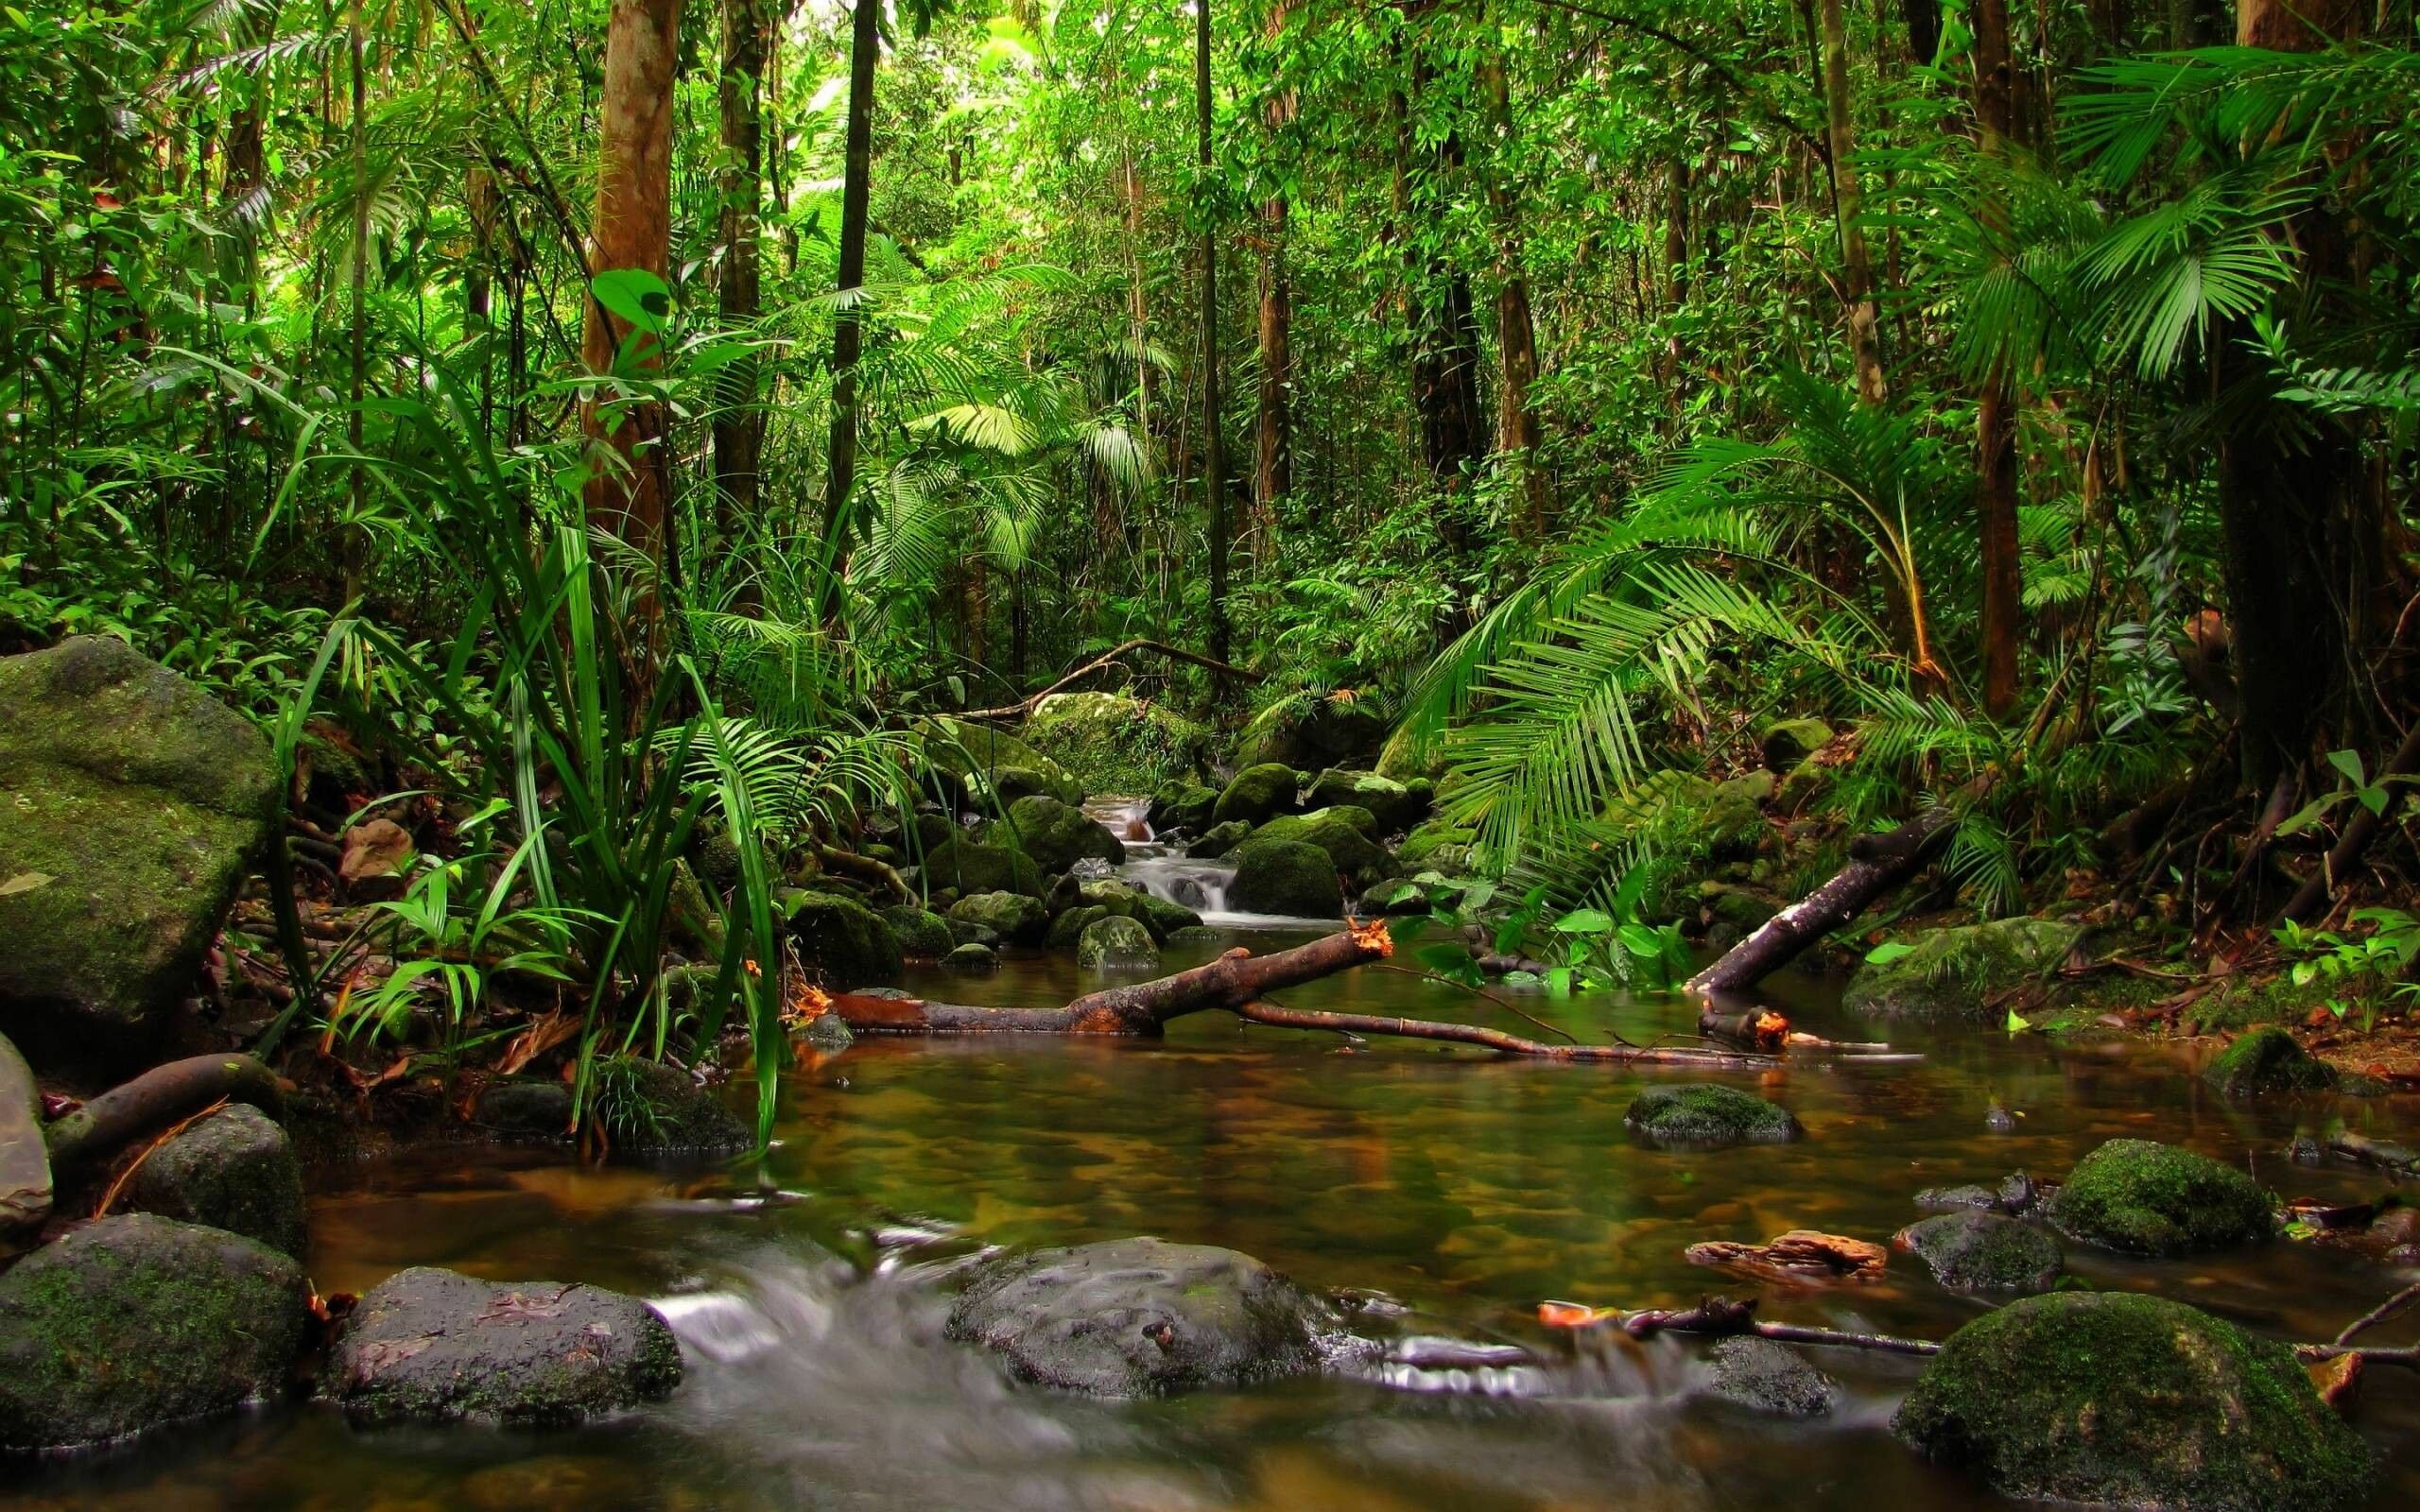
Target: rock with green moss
2120	1399
971	957
1069	927
132	806
989	767
840	942
1257	793
1953	974
2267	1059
1013	916
1786	743
1336	730
1345	834
972	867
234	1170
921	932
1219	839
1731	818
1182	806
430	1346
1978	1252
1161	916
1116	940
1396	806
648	1108
1057	835
1112	743
2139	1197
24	1160
1437	845
138	1320
1708	1114
1285	877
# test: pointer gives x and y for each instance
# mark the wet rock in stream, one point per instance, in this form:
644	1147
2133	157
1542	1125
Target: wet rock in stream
1116	941
1708	1114
434	1346
1140	1317
1983	1252
1287	877
2267	1062
1767	1377
234	1170
2139	1197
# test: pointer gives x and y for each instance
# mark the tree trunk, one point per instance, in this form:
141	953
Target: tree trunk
739	419
1272	473
1857	265
1995	406
632	229
848	333
1445	335
1517	341
1214	449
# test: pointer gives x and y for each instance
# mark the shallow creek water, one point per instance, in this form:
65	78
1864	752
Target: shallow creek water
809	1293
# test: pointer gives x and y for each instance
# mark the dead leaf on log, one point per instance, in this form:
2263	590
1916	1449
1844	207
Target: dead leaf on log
556	1028
1800	1255
2339	1382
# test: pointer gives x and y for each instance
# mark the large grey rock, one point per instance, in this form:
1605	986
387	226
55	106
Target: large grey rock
919	931
972	867
1342	833
1980	1252
1767	1377
131	804
1256	793
235	1170
24	1162
1012	916
841	941
139	1320
1115	940
1139	1318
2120	1400
435	1346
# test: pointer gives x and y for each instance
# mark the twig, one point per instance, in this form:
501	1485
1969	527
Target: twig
109	1198
1565	1035
1275	1016
2379	1313
1722	1315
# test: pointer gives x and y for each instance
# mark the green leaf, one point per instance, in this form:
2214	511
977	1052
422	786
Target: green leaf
1643	940
635	294
2348	762
1558	981
1889	950
1443	958
1583	921
24	882
2017	1023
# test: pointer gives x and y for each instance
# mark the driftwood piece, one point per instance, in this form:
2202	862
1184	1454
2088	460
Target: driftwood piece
86	1139
1497	1039
1800	1255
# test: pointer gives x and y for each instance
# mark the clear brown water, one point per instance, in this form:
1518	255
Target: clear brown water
1466	1189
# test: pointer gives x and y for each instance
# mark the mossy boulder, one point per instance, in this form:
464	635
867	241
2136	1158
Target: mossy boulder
1396	806
1069	927
1437	845
971	957
1731	816
1980	1251
139	1320
2116	1399
1058	835
1112	743
24	1160
1786	743
919	931
972	867
1219	839
1763	1375
1952	975
1343	832
2139	1197
1257	793
1115	940
234	1170
430	1346
840	942
1013	916
1285	877
1708	1114
1141	1317
990	766
2267	1059
648	1107
131	805
1161	916
525	1108
1336	731
1182	805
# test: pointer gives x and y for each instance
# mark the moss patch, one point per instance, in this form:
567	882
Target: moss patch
1955	973
1113	743
2139	1197
1707	1113
2267	1060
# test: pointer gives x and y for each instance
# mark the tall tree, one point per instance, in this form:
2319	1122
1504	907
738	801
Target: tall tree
1516	340
739	420
632	229
1856	264
1995	406
1445	332
1213	448
848	329
1272	473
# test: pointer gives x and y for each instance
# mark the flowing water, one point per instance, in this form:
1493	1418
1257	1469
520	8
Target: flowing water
809	1293
1163	871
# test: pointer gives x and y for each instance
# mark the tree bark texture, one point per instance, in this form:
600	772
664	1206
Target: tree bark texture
1214	445
848	330
1272	473
1856	264
739	420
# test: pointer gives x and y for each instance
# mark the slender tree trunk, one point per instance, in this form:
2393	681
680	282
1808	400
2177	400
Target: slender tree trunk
848	331
1856	264
478	284
739	417
1517	341
1138	316
632	229
1444	360
1995	406
1214	466
350	543
1273	474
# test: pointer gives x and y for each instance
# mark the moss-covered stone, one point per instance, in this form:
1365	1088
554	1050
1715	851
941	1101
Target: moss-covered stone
648	1108
971	867
1786	743
988	767
1161	916
1057	835
1013	916
1954	974
25	1161
971	957
235	1170
1115	940
1112	743
437	1347
1395	806
139	1320
1336	731
921	932
1343	832
2139	1197
1437	845
2246	1001
1763	1375
1069	927
1257	793
2121	1400
131	805
1219	839
1285	877
1731	819
1182	806
1976	1251
1707	1113
840	942
2267	1059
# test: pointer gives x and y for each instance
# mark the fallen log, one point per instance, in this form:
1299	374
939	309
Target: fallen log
88	1139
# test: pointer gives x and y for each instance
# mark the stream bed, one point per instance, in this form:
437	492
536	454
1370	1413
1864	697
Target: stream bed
1461	1191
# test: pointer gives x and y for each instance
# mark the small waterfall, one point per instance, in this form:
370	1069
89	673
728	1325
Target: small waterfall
1128	819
